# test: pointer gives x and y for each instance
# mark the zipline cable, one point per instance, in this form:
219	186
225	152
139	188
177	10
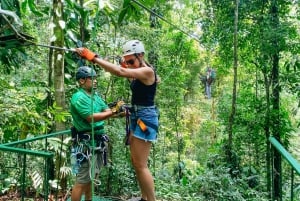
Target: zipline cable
160	17
54	47
26	40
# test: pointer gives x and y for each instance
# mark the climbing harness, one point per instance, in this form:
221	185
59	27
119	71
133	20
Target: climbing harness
83	151
121	107
129	110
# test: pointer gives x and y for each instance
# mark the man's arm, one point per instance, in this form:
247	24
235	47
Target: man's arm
99	116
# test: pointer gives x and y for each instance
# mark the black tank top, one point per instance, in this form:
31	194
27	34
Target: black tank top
143	94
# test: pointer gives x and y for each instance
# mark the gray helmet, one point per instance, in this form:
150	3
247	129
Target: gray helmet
84	72
133	47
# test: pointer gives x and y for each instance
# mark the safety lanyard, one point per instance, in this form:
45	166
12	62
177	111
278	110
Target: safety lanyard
127	126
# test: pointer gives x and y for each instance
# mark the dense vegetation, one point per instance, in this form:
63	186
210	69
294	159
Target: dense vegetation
207	149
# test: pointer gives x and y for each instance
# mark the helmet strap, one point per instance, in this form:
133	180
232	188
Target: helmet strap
137	56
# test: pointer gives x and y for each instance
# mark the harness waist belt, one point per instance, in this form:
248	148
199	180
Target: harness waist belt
98	128
86	135
139	107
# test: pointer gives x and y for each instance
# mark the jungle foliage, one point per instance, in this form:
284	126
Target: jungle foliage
195	157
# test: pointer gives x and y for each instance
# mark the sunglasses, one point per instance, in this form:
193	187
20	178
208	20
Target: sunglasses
130	62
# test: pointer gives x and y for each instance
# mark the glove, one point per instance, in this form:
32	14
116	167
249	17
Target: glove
117	107
86	53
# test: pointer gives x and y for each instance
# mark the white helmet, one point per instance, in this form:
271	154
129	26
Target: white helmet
133	47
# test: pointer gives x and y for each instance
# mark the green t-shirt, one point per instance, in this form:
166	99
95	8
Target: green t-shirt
81	108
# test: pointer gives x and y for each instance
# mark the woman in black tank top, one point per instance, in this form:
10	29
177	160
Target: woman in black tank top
144	116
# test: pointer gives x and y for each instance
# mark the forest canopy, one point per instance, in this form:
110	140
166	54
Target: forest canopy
214	148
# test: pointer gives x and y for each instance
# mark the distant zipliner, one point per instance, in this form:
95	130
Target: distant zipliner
207	80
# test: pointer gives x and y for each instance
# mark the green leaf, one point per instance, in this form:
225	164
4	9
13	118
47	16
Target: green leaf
125	10
24	6
122	16
185	181
33	9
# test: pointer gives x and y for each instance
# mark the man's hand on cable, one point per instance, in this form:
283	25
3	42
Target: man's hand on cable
118	108
86	53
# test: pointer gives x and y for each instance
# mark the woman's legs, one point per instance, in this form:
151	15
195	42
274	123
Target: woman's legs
140	151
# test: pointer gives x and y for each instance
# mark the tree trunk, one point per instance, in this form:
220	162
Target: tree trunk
58	56
267	134
235	66
275	102
58	76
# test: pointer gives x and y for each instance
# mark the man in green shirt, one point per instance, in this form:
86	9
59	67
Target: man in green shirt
88	111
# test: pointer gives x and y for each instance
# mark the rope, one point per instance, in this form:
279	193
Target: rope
93	134
127	126
83	150
92	169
